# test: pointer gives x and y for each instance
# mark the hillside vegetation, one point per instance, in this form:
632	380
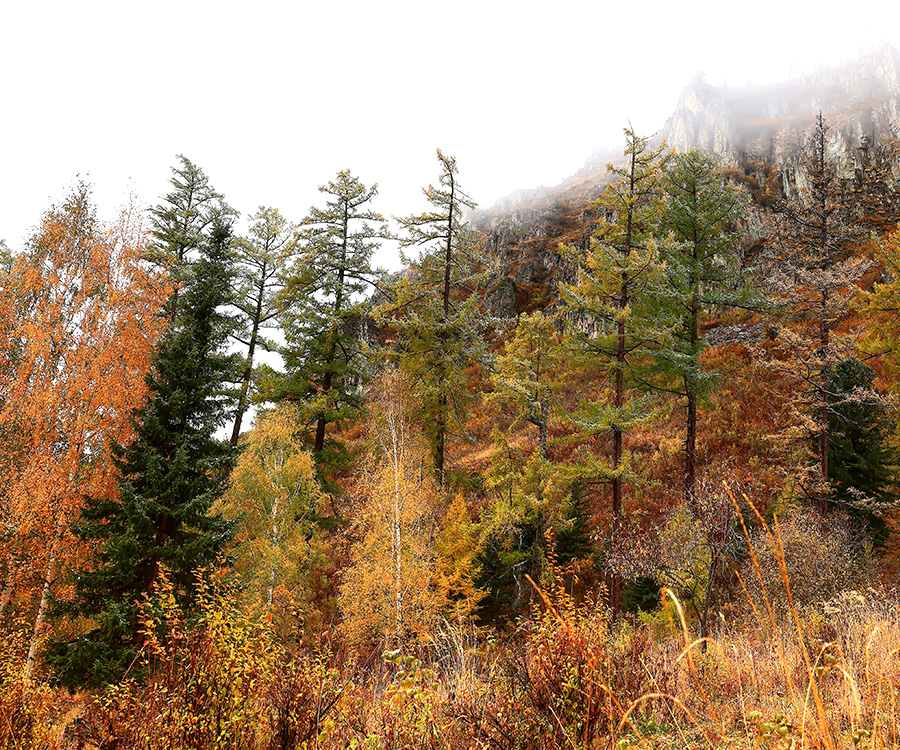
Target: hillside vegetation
617	468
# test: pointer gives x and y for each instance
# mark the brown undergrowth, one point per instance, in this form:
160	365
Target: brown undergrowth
817	677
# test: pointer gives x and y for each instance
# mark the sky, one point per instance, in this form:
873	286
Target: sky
272	99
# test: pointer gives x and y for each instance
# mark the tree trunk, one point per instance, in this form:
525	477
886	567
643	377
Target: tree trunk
245	383
328	379
44	604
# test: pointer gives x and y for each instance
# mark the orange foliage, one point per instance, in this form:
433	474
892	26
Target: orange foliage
83	316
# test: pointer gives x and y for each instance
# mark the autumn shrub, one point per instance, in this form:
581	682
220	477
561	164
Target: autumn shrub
222	681
26	705
823	555
566	679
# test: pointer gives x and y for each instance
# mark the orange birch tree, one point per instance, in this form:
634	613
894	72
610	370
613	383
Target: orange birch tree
84	313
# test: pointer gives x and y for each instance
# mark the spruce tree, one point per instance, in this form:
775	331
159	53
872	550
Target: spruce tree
861	464
169	477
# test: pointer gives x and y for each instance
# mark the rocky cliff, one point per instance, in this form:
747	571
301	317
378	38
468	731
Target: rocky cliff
757	132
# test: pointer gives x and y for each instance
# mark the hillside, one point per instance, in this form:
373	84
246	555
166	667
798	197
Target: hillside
756	131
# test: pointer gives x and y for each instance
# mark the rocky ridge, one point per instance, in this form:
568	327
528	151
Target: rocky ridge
756	131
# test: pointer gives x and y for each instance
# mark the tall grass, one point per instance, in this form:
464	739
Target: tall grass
823	677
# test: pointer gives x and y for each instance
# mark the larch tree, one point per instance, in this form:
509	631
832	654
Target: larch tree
813	279
322	305
168	477
700	245
616	296
435	308
527	377
881	308
84	315
262	259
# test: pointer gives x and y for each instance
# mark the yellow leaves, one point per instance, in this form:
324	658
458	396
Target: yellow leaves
83	317
275	496
388	591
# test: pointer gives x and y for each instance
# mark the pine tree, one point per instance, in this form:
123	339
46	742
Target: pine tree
322	305
169	476
435	309
616	294
701	253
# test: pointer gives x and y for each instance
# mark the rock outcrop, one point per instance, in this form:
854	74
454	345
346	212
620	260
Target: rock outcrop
757	132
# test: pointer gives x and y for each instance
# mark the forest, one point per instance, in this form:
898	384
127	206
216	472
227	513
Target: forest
256	492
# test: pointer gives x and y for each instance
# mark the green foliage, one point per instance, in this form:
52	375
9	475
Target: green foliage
614	309
323	306
261	259
700	246
170	476
435	311
182	223
698	216
860	462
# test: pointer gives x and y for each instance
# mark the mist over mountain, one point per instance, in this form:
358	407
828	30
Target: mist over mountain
757	133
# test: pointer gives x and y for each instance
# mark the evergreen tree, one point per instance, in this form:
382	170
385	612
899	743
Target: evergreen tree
435	308
701	253
616	293
322	305
169	476
861	464
181	224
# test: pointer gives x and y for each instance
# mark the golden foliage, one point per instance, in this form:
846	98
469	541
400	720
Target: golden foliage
388	591
274	497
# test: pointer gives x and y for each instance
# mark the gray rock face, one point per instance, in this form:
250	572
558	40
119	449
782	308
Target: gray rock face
527	264
757	131
860	102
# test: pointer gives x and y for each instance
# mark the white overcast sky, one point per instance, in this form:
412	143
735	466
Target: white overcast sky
271	99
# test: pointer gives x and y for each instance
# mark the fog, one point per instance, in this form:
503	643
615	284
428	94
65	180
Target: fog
272	99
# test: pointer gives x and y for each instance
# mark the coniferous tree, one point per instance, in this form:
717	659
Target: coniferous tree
861	464
322	305
262	257
181	224
813	279
435	308
169	476
531	489
616	293
701	253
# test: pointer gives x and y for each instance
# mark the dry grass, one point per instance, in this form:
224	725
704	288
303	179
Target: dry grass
816	677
